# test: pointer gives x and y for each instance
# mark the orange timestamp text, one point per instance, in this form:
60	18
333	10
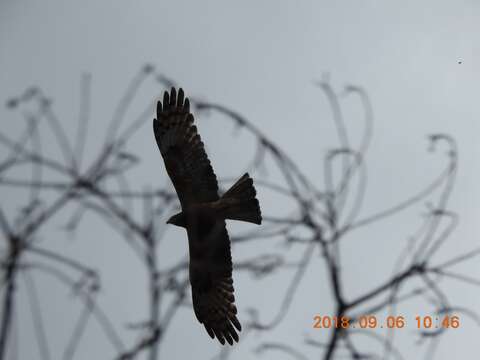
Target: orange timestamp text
390	322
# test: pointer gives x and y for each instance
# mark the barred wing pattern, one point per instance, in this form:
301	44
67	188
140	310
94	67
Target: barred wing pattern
212	284
195	182
183	151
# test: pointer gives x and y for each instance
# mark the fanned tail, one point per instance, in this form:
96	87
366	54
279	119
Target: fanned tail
240	203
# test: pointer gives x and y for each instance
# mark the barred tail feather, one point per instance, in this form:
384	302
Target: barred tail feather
240	203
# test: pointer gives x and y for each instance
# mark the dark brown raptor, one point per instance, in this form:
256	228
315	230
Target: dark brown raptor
203	215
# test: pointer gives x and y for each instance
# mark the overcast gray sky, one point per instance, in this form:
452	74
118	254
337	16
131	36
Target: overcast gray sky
418	61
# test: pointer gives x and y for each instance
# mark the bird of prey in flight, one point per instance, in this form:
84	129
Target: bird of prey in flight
203	215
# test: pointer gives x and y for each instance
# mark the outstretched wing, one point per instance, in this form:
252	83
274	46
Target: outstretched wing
182	150
212	283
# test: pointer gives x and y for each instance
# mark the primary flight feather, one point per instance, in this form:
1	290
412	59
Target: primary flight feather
203	214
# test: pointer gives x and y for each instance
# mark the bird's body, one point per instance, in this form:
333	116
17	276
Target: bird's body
203	215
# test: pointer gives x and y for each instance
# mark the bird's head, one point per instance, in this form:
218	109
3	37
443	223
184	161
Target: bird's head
178	219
